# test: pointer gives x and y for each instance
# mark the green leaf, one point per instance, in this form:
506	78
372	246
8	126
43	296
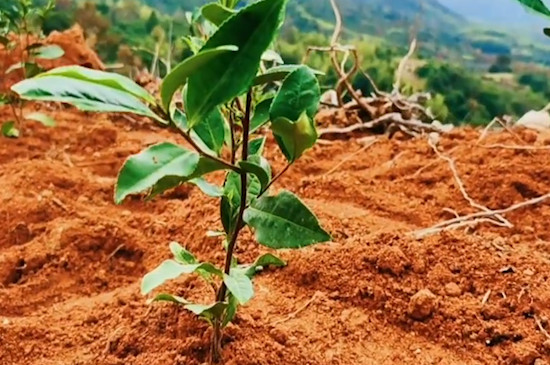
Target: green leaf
142	171
179	74
229	75
204	166
182	255
180	121
536	5
211	130
109	79
258	166
294	138
279	73
299	93
283	221
32	69
261	115
232	305
231	200
170	270
85	95
194	43
240	286
207	188
51	52
9	130
207	311
262	262
216	13
256	146
46	120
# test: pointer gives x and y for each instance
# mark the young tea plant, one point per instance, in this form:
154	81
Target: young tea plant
20	31
225	107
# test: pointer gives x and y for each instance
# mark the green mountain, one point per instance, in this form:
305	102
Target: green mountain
444	28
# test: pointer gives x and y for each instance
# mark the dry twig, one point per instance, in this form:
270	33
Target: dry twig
360	150
514	147
461	187
299	310
411	114
476	218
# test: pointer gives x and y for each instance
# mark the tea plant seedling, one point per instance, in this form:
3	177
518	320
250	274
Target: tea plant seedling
224	105
19	21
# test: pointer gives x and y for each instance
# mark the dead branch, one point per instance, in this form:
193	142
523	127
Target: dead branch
349	157
514	147
392	118
460	184
392	111
401	67
299	310
541	327
503	121
475	217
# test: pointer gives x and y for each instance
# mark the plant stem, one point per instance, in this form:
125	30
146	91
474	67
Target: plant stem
193	144
232	128
217	335
285	169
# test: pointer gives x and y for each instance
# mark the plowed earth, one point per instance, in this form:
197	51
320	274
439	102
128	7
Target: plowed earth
71	261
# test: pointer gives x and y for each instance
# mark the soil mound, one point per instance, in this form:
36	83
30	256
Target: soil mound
71	261
77	52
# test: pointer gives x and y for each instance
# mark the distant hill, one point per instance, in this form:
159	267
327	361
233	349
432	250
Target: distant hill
498	12
461	30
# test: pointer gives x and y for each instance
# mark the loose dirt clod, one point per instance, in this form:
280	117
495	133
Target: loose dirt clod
392	260
453	290
422	305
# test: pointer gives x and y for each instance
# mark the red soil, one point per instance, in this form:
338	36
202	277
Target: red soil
71	261
73	43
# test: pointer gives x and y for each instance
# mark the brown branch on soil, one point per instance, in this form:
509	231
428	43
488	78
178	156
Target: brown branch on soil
349	157
503	121
486	297
514	147
299	310
476	218
541	327
460	184
392	118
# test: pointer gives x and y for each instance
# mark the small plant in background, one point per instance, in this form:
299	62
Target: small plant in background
229	96
20	32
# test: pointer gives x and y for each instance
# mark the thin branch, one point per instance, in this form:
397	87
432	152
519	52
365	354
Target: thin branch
401	68
541	327
362	149
471	218
514	147
338	27
299	310
276	177
396	118
503	124
460	183
196	147
239	223
232	128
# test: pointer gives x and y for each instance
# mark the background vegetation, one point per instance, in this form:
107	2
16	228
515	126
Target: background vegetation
476	71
